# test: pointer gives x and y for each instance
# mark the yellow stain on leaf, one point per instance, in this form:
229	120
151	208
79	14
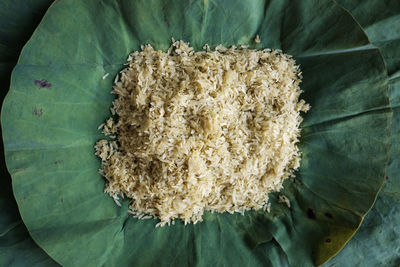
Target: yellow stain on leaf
337	239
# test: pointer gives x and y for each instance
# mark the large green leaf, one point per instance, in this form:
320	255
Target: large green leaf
18	19
377	243
49	132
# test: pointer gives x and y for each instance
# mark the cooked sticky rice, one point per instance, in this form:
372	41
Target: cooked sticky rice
213	130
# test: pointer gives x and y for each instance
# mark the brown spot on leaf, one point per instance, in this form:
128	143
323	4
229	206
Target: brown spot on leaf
328	215
37	112
328	240
42	83
311	214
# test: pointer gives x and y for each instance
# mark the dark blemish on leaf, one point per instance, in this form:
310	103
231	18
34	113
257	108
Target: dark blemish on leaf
311	214
327	214
37	112
42	83
386	178
62	199
328	240
58	162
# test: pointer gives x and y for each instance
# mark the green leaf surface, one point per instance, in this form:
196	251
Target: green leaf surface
49	132
377	243
18	20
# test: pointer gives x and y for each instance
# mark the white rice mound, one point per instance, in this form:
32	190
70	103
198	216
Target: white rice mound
196	131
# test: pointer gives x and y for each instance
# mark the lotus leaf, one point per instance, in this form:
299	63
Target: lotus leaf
57	99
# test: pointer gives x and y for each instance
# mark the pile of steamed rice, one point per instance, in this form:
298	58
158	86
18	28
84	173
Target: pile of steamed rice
201	131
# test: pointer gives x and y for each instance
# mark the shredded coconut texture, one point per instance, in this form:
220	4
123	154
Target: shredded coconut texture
197	131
